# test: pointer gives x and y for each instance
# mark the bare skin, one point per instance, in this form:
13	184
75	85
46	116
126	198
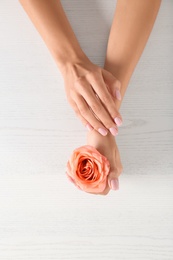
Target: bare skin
132	24
83	80
96	93
110	150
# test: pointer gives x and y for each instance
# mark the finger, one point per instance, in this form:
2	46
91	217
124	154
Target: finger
101	112
100	88
88	115
117	116
83	120
113	178
104	192
113	84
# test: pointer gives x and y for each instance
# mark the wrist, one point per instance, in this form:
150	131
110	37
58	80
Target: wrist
68	59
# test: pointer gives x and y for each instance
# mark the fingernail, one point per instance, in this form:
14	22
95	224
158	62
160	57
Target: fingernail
118	121
102	131
113	131
118	94
114	184
89	127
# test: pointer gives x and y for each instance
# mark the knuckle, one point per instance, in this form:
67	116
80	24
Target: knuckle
96	75
79	83
96	108
105	99
83	110
108	102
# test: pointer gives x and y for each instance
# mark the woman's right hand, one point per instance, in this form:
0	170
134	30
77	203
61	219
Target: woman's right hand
87	93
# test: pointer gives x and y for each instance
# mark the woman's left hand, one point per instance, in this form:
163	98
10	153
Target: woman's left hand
110	150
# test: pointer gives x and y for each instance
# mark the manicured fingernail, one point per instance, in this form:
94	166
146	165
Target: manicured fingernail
118	121
118	94
89	127
113	131
114	184
102	131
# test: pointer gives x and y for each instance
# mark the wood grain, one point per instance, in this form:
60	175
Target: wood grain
42	216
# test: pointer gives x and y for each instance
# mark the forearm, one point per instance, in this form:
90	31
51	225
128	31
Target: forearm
51	22
131	27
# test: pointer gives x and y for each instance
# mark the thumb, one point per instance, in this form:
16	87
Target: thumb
113	180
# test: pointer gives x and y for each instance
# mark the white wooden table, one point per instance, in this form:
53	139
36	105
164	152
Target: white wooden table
42	215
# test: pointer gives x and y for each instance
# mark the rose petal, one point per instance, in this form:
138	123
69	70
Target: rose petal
88	169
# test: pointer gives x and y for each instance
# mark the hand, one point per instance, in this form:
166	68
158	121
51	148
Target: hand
115	172
110	150
88	94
